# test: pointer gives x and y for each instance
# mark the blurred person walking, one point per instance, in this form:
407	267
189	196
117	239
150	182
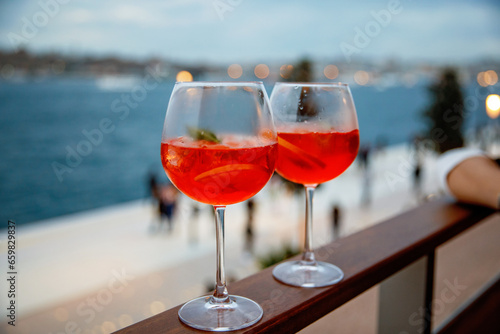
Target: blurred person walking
249	234
364	164
418	147
167	205
336	221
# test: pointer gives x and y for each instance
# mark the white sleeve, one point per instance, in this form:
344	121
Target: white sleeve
450	159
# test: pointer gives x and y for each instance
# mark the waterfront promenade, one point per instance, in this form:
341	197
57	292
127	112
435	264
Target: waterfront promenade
102	270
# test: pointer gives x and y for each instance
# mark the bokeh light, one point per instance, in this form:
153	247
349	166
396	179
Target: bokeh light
286	71
493	105
125	320
61	314
235	71
490	77
487	78
480	79
157	307
362	78
331	71
261	71
184	76
108	327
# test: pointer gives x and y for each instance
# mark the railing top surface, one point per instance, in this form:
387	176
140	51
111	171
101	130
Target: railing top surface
366	257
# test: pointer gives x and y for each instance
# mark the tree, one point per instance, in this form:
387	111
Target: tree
302	71
445	115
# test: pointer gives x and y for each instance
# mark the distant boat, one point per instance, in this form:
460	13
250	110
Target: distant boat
117	83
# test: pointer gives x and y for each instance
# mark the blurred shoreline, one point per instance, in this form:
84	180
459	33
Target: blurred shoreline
21	65
59	160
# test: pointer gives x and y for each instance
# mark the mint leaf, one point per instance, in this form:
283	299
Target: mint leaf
202	134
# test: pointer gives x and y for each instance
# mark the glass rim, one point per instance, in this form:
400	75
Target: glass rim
313	84
219	83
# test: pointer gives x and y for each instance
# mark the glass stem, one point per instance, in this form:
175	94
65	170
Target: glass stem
308	255
220	294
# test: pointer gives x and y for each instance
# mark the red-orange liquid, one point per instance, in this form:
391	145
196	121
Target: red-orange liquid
218	174
312	158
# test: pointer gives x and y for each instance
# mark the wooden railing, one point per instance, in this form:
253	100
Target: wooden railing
367	258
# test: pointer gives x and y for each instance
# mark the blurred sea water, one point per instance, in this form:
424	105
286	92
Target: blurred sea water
117	128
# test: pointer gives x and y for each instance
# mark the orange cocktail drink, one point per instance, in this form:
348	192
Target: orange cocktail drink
219	173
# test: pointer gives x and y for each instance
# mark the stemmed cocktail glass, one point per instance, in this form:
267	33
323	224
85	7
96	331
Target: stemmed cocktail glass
318	139
219	147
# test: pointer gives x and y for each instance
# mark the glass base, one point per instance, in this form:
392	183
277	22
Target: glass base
315	275
202	313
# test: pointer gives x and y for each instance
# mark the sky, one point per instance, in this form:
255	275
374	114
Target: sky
235	31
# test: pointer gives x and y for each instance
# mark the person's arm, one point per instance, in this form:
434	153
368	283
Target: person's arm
475	180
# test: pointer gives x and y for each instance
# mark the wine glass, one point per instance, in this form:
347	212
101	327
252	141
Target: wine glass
219	147
318	138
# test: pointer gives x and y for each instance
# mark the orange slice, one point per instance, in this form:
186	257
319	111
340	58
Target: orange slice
303	154
228	168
